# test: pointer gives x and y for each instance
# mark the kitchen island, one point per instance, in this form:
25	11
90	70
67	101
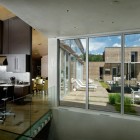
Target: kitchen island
20	92
17	92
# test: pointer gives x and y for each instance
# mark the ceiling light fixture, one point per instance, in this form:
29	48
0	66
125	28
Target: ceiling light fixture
116	1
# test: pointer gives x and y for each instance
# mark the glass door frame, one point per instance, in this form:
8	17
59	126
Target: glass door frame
122	34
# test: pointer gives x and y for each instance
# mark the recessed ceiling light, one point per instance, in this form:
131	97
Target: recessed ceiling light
116	1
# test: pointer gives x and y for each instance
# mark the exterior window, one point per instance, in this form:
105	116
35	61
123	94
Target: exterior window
72	68
107	71
95	73
104	52
132	70
133	56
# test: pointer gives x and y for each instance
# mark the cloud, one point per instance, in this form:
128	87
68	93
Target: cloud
109	38
116	45
135	45
119	37
95	46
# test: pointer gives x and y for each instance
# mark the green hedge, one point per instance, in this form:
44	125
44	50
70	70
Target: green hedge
115	99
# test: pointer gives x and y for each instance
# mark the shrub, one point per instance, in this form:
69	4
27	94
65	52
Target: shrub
115	99
127	101
111	99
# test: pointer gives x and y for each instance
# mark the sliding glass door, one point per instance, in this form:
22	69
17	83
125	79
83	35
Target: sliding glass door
104	73
132	74
72	73
101	73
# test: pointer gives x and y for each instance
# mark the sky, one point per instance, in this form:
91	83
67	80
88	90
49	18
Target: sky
98	44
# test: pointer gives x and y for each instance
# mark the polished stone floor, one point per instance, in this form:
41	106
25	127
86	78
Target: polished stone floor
27	112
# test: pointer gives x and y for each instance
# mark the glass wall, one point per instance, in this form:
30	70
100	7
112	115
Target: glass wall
104	72
101	73
72	73
132	74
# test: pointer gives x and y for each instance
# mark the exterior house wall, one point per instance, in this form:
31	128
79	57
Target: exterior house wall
109	67
138	72
113	59
113	55
94	70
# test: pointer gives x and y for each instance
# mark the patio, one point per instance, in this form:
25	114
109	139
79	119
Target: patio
98	99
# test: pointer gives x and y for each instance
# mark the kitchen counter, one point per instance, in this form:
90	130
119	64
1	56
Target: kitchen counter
23	85
16	85
18	91
6	85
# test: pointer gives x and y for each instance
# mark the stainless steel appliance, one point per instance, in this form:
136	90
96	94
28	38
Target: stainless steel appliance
12	80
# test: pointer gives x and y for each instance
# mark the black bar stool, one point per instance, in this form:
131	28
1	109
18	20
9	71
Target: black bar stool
4	112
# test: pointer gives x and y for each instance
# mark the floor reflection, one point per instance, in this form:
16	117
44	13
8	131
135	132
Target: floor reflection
27	113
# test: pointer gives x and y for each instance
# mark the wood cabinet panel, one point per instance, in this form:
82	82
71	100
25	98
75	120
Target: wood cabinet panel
5	46
21	91
0	37
17	37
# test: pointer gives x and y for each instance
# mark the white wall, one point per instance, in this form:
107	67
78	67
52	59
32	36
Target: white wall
44	66
69	124
52	71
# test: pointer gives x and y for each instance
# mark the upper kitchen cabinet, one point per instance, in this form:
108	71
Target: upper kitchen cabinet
18	63
0	37
17	37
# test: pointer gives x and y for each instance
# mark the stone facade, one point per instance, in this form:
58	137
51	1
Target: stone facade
113	54
112	57
94	70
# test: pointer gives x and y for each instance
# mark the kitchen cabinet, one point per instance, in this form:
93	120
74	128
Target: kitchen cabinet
20	92
0	37
17	37
18	63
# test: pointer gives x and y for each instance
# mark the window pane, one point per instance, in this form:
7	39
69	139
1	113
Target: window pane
104	73
72	61
132	74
